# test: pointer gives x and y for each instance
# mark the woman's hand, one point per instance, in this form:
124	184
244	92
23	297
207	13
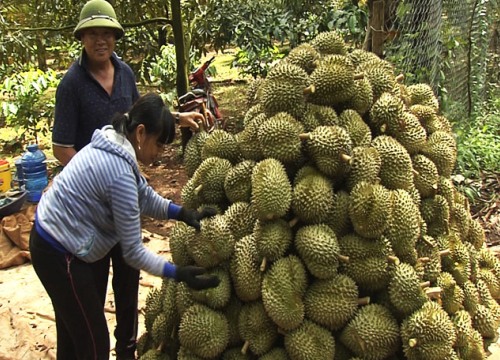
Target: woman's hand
191	119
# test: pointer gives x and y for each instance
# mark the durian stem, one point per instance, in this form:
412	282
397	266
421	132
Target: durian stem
412	342
435	186
383	128
424	259
198	189
343	258
160	347
425	284
305	136
393	259
400	78
425	240
445	252
359	76
293	222
263	264
433	292
244	349
309	90
364	300
345	157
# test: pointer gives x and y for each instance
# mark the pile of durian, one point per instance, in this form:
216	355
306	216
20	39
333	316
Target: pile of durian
339	232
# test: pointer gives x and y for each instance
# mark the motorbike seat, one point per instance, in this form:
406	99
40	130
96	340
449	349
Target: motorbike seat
191	95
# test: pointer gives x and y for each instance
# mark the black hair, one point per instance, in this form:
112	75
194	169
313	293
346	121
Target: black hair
150	111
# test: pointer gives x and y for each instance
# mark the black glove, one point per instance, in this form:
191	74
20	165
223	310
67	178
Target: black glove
196	278
193	217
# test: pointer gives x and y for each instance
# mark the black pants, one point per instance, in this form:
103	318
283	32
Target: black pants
82	332
125	287
78	293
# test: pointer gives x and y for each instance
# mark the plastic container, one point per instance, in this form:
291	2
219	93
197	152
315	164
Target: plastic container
19	177
34	173
5	176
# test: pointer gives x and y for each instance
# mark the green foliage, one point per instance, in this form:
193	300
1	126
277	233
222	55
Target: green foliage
26	106
479	143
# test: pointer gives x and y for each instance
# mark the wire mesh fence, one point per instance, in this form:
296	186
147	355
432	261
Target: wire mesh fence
447	44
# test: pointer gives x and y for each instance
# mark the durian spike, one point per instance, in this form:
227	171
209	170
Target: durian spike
244	349
383	128
293	222
393	259
309	90
424	259
400	78
445	252
412	342
433	292
345	158
425	284
343	258
359	76
305	136
263	264
160	347
415	172
364	300
435	186
198	189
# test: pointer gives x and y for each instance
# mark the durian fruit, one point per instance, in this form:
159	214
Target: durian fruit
279	138
304	56
476	235
273	238
428	263
154	354
386	114
426	175
271	190
276	353
396	171
283	288
441	148
409	133
333	302
245	269
373	333
403	228
254	93
183	298
310	341
154	306
185	354
364	165
232	313
318	248
471	296
240	218
235	354
180	235
428	333
330	148
339	220
207	183
380	74
218	297
284	94
474	349
406	291
144	343
313	198
452	296
362	98
329	43
221	144
370	261
333	81
423	94
358	130
324	115
436	213
457	263
213	245
237	183
203	331
247	139
370	209
463	327
256	329
359	56
192	152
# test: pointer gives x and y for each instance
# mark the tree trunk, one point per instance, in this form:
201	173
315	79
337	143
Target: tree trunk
377	27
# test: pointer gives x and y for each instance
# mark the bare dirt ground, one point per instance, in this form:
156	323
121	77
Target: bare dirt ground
27	327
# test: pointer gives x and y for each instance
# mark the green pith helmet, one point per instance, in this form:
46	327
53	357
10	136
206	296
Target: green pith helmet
98	13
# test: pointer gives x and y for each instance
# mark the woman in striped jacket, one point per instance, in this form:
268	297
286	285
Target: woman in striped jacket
95	203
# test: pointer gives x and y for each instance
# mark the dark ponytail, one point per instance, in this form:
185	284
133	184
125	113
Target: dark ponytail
150	111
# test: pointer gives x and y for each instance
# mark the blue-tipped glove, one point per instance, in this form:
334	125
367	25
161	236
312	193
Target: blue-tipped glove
195	277
193	217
